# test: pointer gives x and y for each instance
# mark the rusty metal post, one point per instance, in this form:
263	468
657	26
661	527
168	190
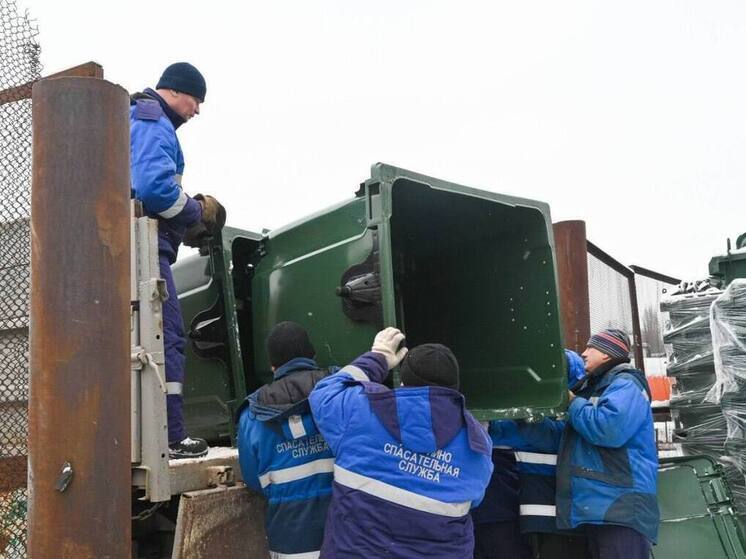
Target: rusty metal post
18	93
79	404
572	270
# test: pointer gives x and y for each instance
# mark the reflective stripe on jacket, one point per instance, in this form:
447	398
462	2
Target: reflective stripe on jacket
283	455
607	462
410	464
156	167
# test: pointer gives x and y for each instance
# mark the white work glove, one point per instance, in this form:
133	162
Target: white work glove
387	344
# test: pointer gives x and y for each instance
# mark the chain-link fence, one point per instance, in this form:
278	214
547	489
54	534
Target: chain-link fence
652	287
612	299
19	67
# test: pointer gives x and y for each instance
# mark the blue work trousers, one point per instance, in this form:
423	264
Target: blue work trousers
616	542
174	343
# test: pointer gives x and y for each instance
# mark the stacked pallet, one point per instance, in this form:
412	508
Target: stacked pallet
700	427
728	327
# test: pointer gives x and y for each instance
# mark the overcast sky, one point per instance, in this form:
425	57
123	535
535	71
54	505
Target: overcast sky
628	115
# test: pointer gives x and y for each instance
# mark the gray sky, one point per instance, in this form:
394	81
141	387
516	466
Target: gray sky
629	115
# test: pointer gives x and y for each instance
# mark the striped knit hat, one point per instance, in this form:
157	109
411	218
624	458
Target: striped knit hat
612	342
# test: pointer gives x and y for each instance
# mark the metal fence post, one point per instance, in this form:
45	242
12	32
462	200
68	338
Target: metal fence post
79	408
636	331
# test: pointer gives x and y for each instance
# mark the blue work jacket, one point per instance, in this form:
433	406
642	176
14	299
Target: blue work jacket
156	167
410	464
283	455
607	463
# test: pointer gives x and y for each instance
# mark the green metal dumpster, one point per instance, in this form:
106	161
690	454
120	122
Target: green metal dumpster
445	263
697	515
732	264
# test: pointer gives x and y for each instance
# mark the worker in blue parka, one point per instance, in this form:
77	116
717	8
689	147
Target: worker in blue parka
157	165
607	462
281	452
410	462
516	519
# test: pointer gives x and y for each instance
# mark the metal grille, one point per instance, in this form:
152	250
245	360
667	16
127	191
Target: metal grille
19	60
608	293
609	298
649	293
651	288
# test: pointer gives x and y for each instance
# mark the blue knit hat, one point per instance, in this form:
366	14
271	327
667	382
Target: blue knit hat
612	342
184	77
575	368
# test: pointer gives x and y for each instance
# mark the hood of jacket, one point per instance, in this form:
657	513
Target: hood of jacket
425	418
175	118
284	401
597	383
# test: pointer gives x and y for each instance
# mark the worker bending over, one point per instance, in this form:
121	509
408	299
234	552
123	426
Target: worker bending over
410	462
157	164
281	451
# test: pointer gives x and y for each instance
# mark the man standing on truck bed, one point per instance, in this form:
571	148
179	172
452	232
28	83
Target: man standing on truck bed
409	463
157	164
607	464
281	451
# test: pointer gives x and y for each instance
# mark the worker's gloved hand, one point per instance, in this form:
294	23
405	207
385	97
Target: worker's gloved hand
195	235
387	343
213	213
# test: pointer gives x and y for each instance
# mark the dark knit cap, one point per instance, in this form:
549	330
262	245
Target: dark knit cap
286	341
612	342
184	77
430	365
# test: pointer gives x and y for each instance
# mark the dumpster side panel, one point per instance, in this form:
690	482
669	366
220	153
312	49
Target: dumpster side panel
697	516
298	278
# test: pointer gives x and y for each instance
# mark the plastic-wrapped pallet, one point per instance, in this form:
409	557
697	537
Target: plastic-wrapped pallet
728	326
729	340
700	427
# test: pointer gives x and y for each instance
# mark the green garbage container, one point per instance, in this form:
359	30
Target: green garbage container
445	263
697	515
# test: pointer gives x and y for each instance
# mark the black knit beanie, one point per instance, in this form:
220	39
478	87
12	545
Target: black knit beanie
430	365
184	77
286	341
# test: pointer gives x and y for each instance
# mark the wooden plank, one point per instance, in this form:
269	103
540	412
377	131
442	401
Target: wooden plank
21	92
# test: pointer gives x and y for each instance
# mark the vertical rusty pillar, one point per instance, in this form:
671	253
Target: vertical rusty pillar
572	270
79	404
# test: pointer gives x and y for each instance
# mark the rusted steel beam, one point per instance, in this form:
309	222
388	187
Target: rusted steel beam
572	271
21	92
79	394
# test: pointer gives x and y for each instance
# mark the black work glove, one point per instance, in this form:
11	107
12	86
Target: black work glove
213	213
213	221
195	235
